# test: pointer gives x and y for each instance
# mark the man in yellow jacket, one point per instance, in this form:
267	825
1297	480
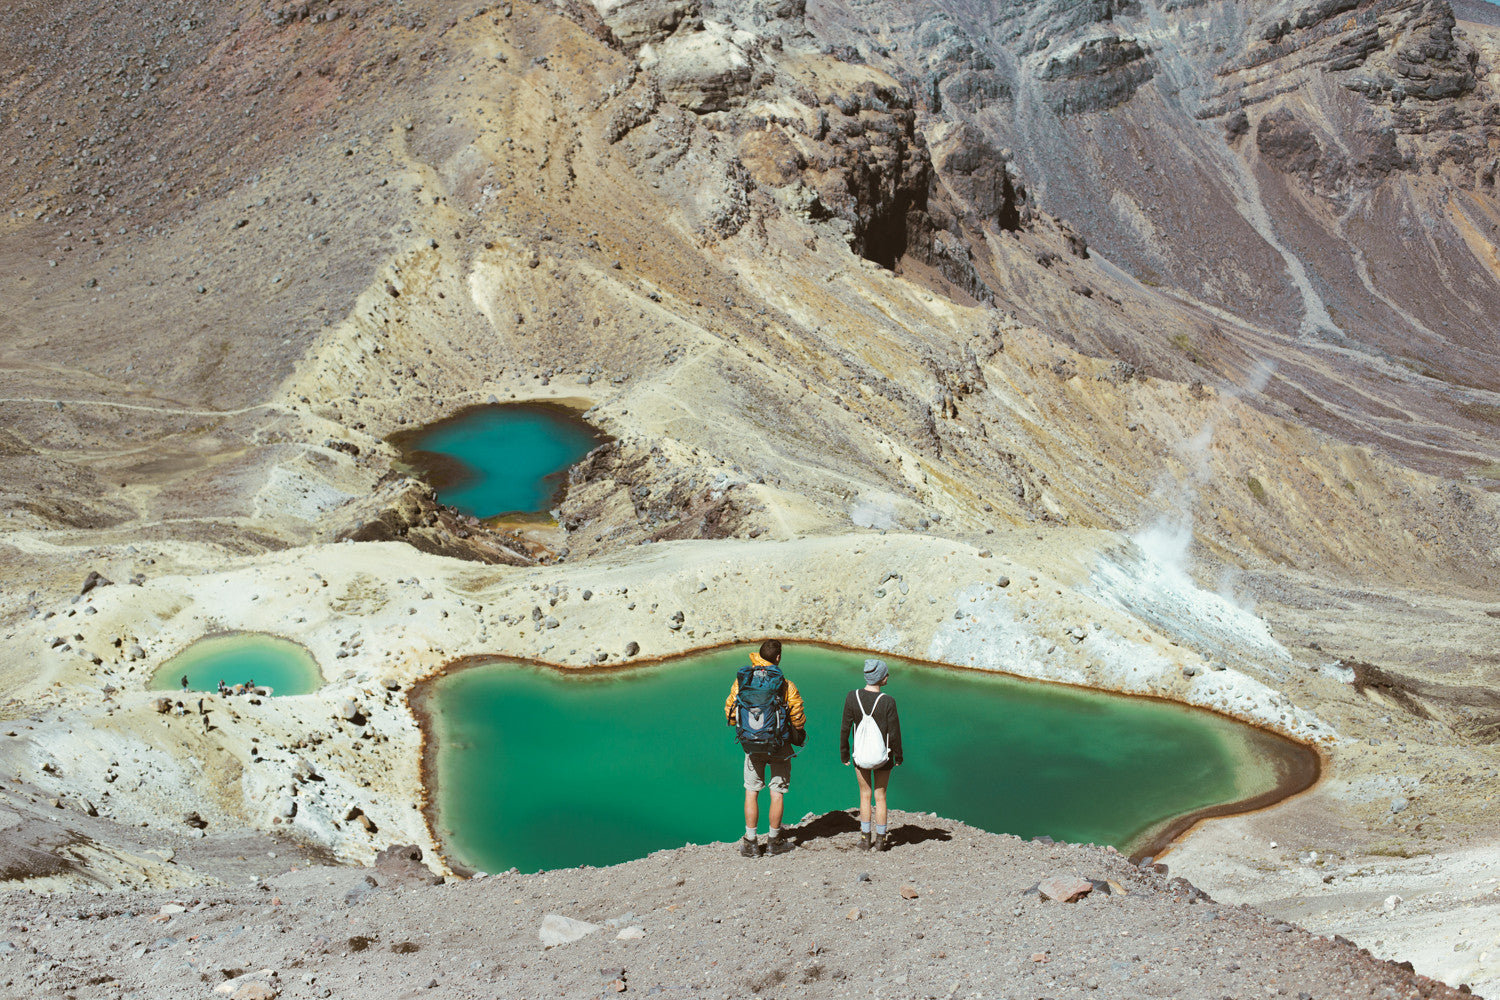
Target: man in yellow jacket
771	707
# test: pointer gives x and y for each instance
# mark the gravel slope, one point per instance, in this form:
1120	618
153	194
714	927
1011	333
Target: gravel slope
945	913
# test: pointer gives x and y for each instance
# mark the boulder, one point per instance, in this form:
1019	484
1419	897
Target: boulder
404	861
93	580
1065	888
556	930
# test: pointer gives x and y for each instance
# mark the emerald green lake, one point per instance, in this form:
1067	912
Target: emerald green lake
536	768
279	664
499	459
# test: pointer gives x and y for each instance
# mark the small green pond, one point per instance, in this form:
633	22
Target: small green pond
271	662
536	768
501	458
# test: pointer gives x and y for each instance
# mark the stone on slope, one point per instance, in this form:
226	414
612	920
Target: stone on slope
93	580
557	929
1065	888
254	991
404	861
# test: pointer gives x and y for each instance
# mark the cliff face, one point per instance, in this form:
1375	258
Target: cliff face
1324	173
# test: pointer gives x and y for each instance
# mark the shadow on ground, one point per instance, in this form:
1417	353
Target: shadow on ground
837	823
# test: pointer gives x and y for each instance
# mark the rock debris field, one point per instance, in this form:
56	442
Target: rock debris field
948	911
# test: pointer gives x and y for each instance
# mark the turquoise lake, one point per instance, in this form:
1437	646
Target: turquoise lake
270	661
536	768
501	458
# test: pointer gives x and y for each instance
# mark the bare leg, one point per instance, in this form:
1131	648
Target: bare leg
752	809
864	794
881	780
776	807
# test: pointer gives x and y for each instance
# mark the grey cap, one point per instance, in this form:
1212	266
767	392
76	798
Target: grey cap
875	671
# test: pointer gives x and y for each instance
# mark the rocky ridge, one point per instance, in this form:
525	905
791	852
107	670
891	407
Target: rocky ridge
825	919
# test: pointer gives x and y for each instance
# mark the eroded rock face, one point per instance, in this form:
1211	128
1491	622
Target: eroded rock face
1096	74
1405	57
1293	147
407	510
621	494
642	22
1422	58
842	145
702	70
1289	143
981	176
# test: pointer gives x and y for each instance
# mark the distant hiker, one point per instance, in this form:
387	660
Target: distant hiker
184	682
871	714
766	712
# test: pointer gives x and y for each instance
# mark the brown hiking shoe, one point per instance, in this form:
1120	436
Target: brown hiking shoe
880	843
864	840
749	848
779	845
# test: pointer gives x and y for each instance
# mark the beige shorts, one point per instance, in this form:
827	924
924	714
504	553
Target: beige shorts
755	772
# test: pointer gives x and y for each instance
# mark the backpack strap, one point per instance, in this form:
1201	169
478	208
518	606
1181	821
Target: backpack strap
871	711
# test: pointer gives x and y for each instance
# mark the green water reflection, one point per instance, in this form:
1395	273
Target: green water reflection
540	769
269	661
499	459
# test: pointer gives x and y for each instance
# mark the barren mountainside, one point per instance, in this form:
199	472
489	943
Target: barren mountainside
1150	344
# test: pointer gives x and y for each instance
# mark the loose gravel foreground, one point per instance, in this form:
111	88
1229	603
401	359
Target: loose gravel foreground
948	911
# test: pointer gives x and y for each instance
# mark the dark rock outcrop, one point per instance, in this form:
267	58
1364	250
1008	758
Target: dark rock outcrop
407	510
981	177
1100	73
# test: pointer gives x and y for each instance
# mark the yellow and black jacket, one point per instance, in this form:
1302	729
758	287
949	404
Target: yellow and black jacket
795	713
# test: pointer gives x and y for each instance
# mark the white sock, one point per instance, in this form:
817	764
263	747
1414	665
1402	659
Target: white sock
749	833
775	832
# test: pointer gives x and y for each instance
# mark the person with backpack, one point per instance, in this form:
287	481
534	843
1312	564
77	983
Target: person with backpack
871	714
765	710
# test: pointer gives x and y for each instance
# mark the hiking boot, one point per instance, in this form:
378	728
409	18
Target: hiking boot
749	848
864	840
779	845
880	843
